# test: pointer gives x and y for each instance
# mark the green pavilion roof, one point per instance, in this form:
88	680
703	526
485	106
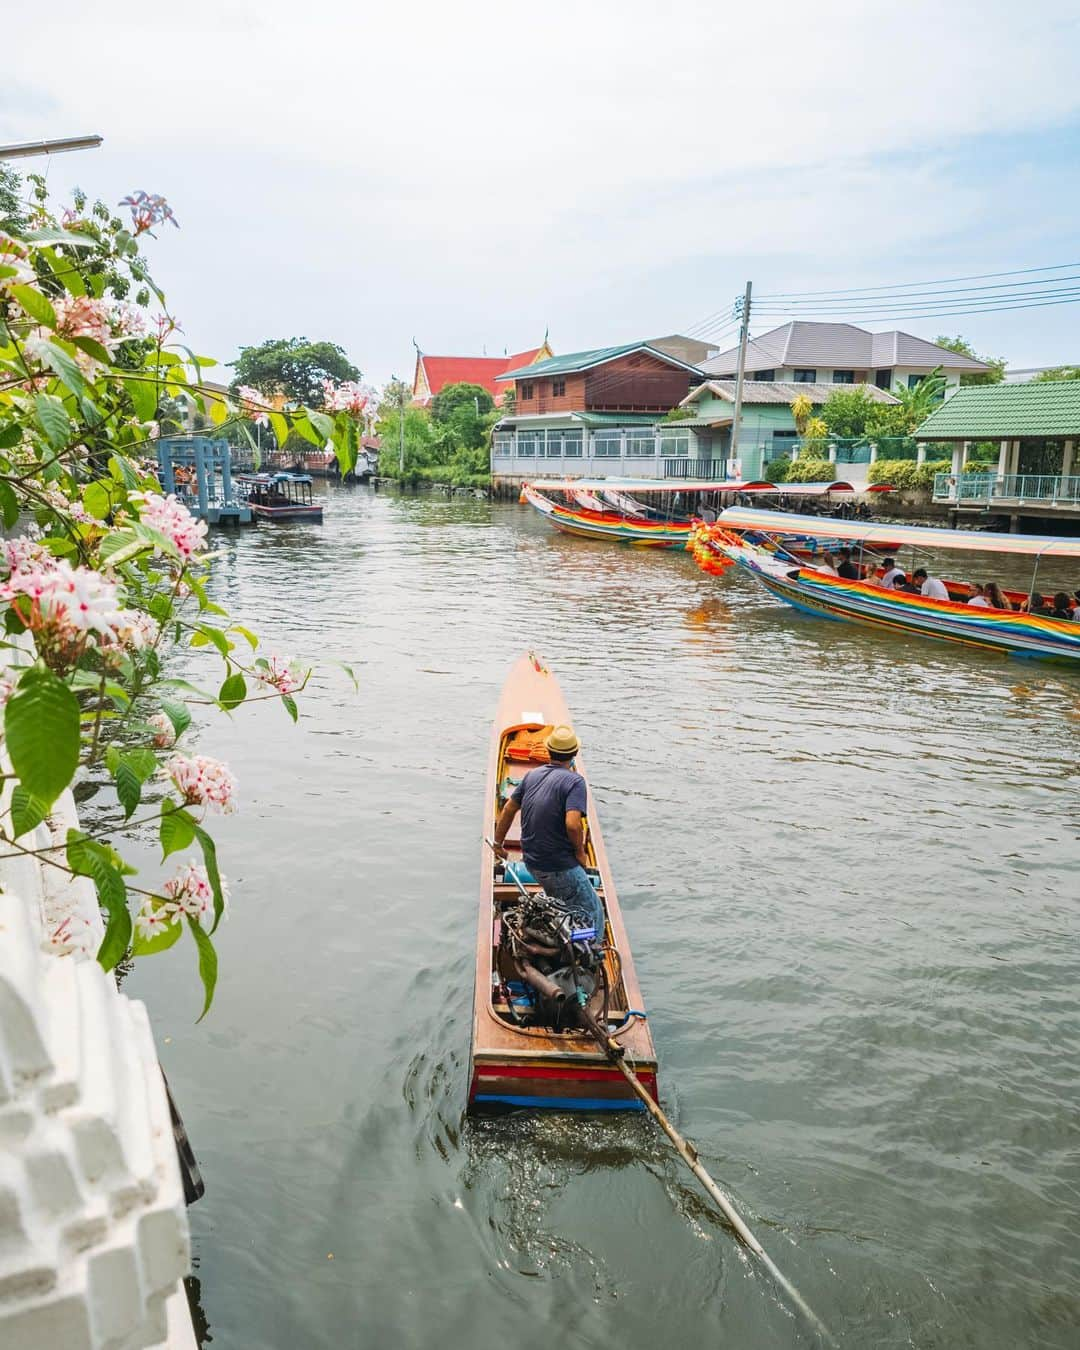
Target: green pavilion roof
575	361
1006	412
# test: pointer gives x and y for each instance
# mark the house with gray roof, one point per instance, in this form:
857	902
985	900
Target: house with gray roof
803	352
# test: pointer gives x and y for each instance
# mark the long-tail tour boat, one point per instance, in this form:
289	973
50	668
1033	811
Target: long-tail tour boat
723	544
529	1047
279	496
595	509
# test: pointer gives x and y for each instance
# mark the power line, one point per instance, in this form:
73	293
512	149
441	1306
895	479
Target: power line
906	285
914	297
892	316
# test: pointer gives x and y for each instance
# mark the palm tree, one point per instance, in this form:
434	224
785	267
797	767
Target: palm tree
918	401
801	410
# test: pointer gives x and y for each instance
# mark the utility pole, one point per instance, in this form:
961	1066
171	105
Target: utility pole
742	305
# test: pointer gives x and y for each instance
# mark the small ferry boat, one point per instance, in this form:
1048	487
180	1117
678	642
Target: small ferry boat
518	1058
279	496
594	509
805	587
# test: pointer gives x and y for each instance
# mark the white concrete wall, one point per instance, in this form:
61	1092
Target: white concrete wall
93	1227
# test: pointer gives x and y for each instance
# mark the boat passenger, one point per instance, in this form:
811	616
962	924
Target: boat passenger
993	593
978	596
901	583
1076	606
552	802
847	568
1036	604
933	588
891	573
1062	605
827	564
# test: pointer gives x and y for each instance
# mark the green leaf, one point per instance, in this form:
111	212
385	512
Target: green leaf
123	472
209	852
208	964
245	633
52	419
177	714
304	427
97	501
177	828
52	235
9	505
208	633
101	864
64	365
143	762
93	348
27	812
10	435
323	425
169	937
122	546
347	445
128	788
144	396
232	692
281	428
41	726
348	671
35	304
289	704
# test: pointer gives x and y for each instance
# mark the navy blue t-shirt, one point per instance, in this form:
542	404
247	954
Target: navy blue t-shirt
545	795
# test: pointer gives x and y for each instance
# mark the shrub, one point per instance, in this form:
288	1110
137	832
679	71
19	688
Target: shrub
776	471
810	471
907	475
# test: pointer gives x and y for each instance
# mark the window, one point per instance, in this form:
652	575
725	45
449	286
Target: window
805	376
504	442
527	442
913	380
554	442
572	443
883	379
784	435
843	377
675	443
640	443
607	444
526	389
763	375
558	388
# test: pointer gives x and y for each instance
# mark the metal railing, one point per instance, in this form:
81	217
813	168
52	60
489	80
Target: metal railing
695	468
1042	489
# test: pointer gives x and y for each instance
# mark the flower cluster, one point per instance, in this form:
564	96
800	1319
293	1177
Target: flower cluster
254	404
284	676
188	894
349	396
202	781
66	602
64	506
171	518
23	552
15	268
148	209
164	731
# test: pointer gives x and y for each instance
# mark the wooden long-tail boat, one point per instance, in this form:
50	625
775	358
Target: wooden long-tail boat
625	520
515	1063
805	587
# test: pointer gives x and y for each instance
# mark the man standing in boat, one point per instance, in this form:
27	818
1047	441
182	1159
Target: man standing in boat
552	800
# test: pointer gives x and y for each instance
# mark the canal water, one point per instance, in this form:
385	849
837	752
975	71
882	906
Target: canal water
848	863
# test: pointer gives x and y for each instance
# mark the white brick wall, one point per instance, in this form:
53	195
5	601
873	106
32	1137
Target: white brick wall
93	1227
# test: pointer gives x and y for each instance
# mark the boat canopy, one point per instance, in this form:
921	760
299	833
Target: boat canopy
649	485
903	536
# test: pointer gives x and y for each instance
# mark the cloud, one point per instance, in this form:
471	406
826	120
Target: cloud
470	173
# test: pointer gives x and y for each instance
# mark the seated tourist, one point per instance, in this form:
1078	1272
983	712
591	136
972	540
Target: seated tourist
978	596
1063	608
1036	604
846	568
992	591
891	571
826	565
901	583
1076	604
933	588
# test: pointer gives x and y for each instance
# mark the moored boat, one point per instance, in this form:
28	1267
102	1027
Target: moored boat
279	496
806	588
517	1060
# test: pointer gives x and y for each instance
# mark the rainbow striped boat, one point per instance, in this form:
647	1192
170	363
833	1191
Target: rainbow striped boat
954	620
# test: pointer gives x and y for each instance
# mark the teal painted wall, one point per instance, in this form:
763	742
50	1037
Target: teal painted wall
759	421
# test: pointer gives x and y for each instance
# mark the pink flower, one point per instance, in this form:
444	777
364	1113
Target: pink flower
164	731
254	404
147	210
284	676
66	602
202	781
157	916
190	891
349	396
17	257
22	553
172	519
138	629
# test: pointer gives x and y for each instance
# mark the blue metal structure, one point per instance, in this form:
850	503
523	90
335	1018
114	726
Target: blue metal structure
206	461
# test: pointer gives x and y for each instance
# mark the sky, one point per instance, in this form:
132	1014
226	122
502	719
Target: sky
472	175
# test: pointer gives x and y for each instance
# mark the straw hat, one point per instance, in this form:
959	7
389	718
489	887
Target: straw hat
563	740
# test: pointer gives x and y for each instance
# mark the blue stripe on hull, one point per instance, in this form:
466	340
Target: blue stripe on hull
563	1103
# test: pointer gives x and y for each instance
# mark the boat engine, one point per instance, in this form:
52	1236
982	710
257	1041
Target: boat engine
561	963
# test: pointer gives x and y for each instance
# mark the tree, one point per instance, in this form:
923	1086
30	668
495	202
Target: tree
11	207
802	409
294	368
962	347
1056	373
916	403
462	414
847	410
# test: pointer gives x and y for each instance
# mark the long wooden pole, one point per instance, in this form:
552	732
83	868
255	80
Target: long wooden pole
689	1155
740	375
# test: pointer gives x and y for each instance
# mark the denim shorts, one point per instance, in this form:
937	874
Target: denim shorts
574	890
